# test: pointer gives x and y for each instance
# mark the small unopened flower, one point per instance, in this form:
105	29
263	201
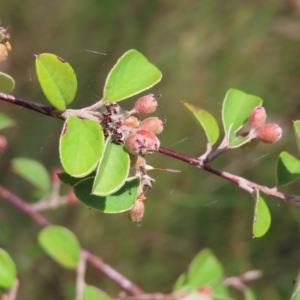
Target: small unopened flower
257	117
136	213
146	104
153	124
269	133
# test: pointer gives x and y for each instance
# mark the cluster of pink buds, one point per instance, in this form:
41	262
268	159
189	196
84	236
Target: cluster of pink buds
266	133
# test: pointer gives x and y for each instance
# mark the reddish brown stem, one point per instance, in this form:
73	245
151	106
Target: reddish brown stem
95	261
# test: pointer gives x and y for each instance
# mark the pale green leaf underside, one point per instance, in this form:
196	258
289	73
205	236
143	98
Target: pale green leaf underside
132	74
287	169
207	121
7	83
7	270
112	170
61	244
57	79
81	144
262	217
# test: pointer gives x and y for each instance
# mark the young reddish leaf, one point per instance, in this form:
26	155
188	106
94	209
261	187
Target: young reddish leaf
287	169
61	244
203	270
262	217
7	83
207	121
92	293
80	147
57	79
7	270
236	110
33	171
5	121
113	169
132	74
118	202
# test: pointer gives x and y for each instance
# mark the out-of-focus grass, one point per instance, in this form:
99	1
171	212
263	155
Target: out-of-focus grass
203	48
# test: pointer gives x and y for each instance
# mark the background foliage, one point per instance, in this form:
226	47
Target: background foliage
202	48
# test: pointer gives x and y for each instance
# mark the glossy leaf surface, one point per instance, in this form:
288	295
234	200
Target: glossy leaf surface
81	145
61	244
7	270
7	83
262	217
287	169
112	170
33	171
118	202
57	79
132	74
207	121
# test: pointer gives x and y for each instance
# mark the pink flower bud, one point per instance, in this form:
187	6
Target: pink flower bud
3	52
136	144
137	162
269	133
137	211
257	117
153	124
131	121
146	104
3	142
153	141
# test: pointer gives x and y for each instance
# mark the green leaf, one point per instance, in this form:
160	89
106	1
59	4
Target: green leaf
112	170
7	83
81	145
61	244
296	291
249	295
71	181
7	270
5	121
287	168
220	291
118	202
33	171
92	293
297	133
132	74
203	270
179	283
262	217
57	79
236	110
207	121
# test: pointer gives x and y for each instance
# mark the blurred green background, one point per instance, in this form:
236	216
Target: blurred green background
203	48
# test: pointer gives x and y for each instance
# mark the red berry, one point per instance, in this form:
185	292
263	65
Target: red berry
257	117
137	211
153	124
153	141
146	104
131	121
269	133
136	144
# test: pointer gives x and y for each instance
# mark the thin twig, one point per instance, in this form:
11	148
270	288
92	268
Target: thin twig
95	261
80	278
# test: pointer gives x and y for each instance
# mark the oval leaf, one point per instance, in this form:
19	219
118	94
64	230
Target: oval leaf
203	270
262	217
112	170
7	270
132	74
237	107
7	83
5	121
287	168
57	79
207	121
33	171
118	202
92	293
61	244
81	144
